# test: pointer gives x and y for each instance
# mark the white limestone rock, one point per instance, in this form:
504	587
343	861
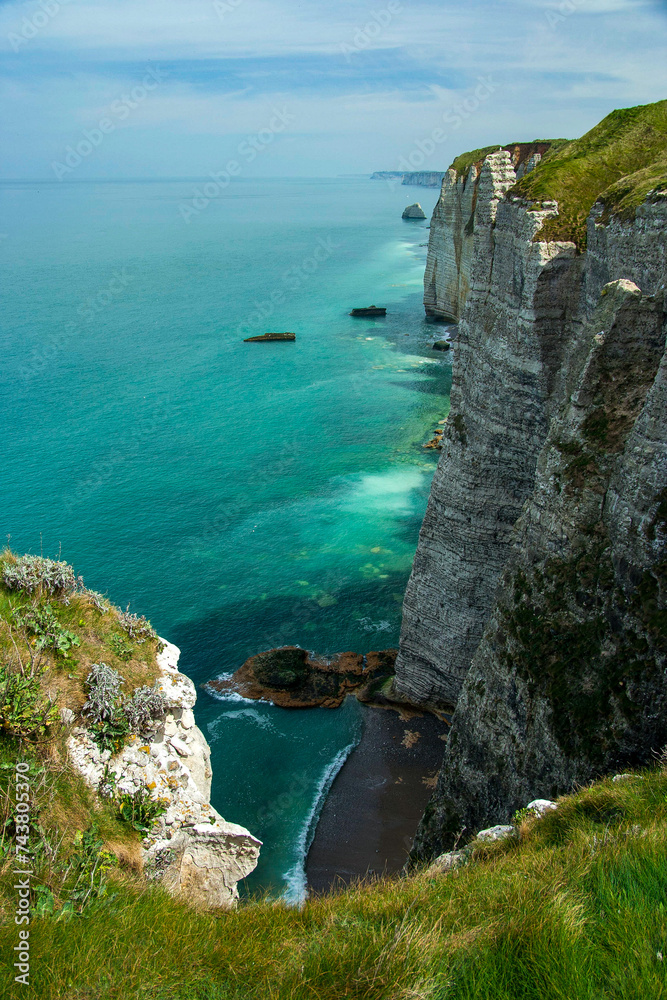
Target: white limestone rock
191	847
541	806
493	833
503	379
447	862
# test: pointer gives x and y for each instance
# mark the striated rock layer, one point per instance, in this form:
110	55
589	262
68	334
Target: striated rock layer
191	848
508	356
451	240
569	679
545	524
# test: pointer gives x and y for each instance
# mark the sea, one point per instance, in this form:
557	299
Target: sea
243	496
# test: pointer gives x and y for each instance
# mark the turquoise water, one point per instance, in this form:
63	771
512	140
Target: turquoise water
243	496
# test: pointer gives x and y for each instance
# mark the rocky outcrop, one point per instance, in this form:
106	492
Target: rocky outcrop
414	212
190	847
291	677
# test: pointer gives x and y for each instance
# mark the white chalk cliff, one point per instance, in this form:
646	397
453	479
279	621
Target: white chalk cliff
536	603
191	848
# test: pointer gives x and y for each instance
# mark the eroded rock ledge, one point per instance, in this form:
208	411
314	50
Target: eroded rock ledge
191	848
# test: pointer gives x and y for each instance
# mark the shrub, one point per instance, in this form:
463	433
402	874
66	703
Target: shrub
143	709
137	627
112	718
104	684
139	809
24	710
35	573
103	707
42	623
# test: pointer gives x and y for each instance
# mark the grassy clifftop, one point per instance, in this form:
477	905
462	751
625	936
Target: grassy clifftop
573	906
619	161
53	630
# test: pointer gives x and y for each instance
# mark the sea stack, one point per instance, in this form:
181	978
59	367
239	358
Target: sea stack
414	212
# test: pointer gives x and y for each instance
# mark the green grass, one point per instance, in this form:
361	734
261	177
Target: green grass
619	161
574	909
463	163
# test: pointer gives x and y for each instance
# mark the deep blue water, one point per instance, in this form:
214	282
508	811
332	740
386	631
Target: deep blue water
243	496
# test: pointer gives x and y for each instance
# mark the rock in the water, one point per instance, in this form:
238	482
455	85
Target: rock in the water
291	677
414	212
369	311
441	345
270	336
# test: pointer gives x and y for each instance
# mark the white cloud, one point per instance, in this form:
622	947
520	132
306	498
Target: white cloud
552	78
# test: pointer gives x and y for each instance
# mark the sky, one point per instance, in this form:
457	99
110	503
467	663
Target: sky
188	88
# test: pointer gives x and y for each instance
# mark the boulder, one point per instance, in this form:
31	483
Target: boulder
414	212
492	833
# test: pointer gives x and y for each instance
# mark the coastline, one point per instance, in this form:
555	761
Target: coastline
376	801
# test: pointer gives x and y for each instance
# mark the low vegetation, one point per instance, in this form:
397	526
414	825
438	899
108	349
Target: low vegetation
464	162
574	906
53	634
619	161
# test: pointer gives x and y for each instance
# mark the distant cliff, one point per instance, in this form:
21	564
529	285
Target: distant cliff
424	178
418	178
541	560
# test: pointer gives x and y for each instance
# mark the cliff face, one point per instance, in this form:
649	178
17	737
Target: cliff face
191	848
569	679
541	560
508	355
423	178
451	241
